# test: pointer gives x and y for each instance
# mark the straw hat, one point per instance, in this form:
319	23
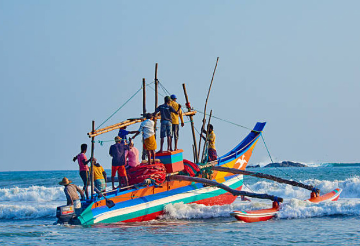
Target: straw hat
117	139
65	181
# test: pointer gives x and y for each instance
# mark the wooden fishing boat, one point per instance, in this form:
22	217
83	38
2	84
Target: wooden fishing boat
147	203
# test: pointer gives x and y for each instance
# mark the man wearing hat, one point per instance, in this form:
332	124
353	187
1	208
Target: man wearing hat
117	151
175	121
71	193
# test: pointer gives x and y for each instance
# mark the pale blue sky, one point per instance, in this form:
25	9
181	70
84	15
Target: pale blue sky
293	64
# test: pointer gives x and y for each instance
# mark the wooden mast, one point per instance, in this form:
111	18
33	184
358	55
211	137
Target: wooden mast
206	136
156	94
207	98
156	86
92	163
143	156
196	157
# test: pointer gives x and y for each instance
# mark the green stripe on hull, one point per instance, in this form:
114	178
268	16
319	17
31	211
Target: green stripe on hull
155	209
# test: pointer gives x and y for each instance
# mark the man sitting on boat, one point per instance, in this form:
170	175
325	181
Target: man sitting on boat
175	121
212	155
147	128
165	128
71	193
132	155
117	151
99	176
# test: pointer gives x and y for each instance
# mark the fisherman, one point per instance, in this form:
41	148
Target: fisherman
83	168
99	176
165	129
117	151
132	155
71	193
175	121
147	128
123	133
212	155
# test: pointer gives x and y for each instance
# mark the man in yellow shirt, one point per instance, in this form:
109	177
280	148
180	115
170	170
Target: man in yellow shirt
99	176
175	121
212	155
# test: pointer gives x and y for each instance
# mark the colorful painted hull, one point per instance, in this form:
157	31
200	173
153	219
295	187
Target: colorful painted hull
149	202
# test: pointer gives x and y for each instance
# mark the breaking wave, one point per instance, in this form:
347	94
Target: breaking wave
30	203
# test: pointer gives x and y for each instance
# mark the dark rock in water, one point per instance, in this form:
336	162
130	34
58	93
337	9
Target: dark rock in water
286	164
256	166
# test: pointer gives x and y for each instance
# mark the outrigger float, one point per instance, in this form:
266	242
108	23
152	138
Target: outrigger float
217	182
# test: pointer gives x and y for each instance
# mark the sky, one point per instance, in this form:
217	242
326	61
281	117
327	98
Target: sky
292	64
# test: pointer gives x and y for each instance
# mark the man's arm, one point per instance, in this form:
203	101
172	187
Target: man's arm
181	118
81	192
136	133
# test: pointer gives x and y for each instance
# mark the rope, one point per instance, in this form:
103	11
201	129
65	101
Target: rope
122	105
272	159
227	121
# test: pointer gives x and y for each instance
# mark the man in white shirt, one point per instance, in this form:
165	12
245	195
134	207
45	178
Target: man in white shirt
147	128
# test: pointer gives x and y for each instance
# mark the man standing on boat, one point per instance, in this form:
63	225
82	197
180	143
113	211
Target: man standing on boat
83	168
99	176
117	151
147	128
212	155
123	133
165	128
175	121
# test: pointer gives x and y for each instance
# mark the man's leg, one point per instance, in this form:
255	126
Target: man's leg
154	155
113	182
169	143
149	156
161	144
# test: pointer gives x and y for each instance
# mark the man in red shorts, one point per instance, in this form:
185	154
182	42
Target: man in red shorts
117	151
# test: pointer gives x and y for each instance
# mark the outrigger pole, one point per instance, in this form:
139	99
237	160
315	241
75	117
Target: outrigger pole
207	98
265	176
224	187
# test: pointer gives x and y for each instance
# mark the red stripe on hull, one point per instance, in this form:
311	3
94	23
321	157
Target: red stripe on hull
223	199
146	217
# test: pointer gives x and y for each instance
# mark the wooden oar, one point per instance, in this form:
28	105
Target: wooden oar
109	203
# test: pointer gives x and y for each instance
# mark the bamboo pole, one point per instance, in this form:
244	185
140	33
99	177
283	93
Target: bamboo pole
143	156
156	94
127	123
264	176
207	98
156	86
206	137
92	163
224	187
196	157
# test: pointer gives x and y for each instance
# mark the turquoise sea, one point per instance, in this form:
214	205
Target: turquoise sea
28	201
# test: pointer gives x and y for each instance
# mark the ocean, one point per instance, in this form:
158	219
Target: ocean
28	202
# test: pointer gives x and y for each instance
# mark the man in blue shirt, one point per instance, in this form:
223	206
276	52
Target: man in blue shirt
117	151
165	129
123	133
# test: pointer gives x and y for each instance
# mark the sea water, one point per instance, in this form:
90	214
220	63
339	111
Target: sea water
28	201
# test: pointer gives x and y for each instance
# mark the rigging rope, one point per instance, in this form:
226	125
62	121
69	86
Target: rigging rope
122	106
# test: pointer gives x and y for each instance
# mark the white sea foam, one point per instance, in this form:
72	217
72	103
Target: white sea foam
33	193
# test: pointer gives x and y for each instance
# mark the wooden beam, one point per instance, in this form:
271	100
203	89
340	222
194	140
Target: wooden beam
196	158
